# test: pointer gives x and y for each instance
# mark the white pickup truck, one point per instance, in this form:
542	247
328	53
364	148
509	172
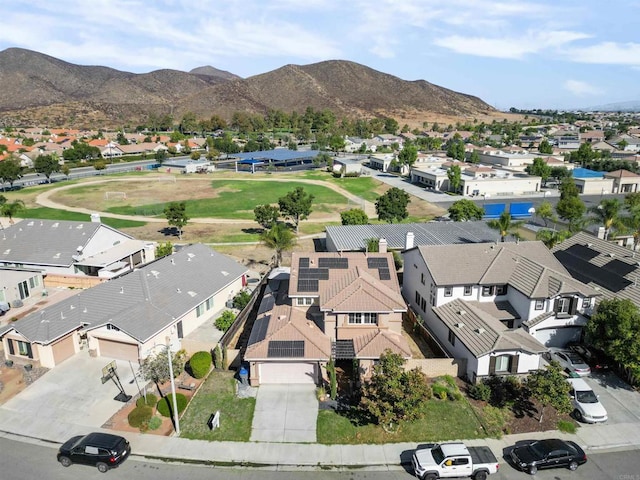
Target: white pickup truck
447	460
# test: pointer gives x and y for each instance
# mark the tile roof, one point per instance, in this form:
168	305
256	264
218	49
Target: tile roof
140	303
374	344
612	270
481	333
47	242
354	237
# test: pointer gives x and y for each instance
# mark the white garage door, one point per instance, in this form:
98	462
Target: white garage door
558	337
118	350
287	373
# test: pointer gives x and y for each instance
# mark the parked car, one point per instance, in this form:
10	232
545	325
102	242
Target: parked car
455	459
585	402
548	453
596	359
570	361
101	450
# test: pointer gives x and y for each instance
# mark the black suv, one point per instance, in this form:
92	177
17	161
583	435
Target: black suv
101	450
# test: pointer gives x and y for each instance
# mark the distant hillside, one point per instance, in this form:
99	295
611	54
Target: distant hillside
39	89
630	106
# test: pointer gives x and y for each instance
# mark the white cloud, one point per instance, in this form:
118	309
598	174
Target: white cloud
581	89
509	47
609	53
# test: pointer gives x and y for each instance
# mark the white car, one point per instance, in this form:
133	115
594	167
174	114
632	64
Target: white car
570	361
585	402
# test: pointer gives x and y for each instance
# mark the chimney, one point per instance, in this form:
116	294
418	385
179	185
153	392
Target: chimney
382	245
408	241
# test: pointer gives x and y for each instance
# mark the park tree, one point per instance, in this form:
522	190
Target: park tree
392	206
454	174
65	170
545	211
474	157
354	216
615	329
549	387
505	225
99	165
336	143
10	171
155	368
390	125
266	215
545	147
465	210
47	165
164	249
11	209
408	155
570	207
176	214
296	205
278	238
608	214
394	395
455	149
539	168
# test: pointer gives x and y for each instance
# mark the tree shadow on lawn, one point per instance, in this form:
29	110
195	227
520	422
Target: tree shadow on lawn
253	231
169	231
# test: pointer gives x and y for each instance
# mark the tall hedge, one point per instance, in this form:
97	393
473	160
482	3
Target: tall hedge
200	364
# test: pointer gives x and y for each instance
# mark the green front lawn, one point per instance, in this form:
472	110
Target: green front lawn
444	420
54	214
218	393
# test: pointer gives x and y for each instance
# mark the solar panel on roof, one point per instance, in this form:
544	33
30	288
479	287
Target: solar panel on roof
384	273
338	263
377	262
304	262
307	285
259	330
286	349
314	273
588	272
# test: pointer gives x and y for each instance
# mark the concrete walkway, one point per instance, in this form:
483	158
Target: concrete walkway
285	413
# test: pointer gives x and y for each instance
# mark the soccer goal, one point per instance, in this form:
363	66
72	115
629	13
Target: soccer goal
167	178
115	195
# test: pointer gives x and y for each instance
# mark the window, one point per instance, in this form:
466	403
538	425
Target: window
24	349
501	289
468	290
112	327
423	305
487	291
418	298
563	305
200	310
502	363
432	295
586	302
209	303
363	318
448	291
452	338
422	281
34	282
539	304
23	289
304	301
460	461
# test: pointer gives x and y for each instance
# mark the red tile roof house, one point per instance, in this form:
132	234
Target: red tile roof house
345	306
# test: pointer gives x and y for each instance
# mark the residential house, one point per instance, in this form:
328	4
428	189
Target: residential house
69	250
341	306
20	285
624	181
125	318
496	305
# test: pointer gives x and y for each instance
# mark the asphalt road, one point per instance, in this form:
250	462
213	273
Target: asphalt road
32	460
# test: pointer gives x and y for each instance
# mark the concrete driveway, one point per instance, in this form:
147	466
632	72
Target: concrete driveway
73	393
285	413
621	401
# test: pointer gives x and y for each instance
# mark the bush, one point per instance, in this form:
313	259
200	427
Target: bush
566	426
480	391
217	357
440	391
495	421
241	300
224	321
154	423
165	405
150	401
200	364
139	416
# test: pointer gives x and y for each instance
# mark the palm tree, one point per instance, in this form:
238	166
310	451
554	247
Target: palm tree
505	225
552	237
12	209
607	213
279	238
632	223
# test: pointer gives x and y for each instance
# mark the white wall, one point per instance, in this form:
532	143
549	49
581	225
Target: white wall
103	239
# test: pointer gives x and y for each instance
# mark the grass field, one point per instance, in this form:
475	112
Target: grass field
54	214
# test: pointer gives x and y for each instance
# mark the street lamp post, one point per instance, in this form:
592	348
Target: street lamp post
173	389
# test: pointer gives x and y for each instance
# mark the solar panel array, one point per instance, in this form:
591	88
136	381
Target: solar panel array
385	273
307	285
259	330
587	272
377	262
314	273
337	263
304	262
286	349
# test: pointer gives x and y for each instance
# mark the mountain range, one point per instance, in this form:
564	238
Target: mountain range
38	89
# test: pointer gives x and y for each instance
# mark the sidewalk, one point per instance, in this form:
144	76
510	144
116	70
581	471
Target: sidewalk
295	456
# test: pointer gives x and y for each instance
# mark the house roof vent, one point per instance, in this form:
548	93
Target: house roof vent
479	330
462	312
459	325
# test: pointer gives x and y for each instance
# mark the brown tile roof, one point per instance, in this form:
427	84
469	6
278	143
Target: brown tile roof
374	344
621	174
481	333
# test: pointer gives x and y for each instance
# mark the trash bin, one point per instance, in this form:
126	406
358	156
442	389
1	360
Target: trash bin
244	376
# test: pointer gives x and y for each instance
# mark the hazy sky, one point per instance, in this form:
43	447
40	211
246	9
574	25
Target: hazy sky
510	53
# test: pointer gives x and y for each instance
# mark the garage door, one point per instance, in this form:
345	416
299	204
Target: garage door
118	350
558	337
287	373
63	349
